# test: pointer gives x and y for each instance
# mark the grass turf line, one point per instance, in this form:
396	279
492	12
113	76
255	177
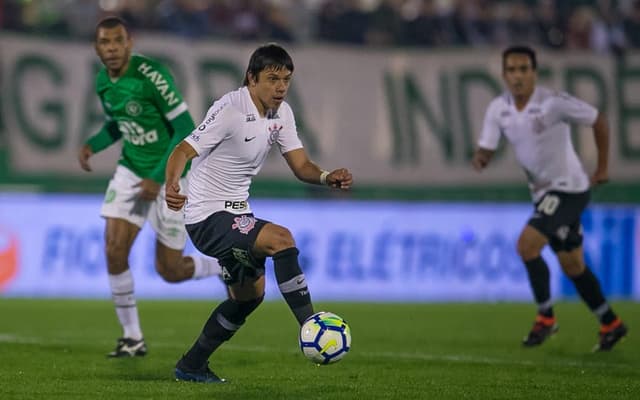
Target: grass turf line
55	349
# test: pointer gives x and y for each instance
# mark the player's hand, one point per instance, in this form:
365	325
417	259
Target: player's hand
149	189
83	157
340	178
599	177
175	200
479	160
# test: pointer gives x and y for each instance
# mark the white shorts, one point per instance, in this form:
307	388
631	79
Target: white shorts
121	201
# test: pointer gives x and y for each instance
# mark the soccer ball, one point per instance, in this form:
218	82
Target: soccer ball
325	338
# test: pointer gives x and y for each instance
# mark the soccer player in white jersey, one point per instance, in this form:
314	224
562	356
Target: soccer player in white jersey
149	123
231	145
535	120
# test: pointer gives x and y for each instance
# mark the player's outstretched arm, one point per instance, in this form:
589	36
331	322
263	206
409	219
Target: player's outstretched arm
481	158
84	154
307	171
108	135
601	135
179	157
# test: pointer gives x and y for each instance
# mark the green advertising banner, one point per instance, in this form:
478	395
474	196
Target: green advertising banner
402	121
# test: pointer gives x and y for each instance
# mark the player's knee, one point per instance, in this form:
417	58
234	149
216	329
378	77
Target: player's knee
167	273
527	250
572	267
281	239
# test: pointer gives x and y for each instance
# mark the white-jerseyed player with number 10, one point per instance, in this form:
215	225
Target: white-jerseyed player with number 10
535	120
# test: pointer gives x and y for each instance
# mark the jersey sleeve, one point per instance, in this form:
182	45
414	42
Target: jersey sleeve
182	126
571	109
490	135
108	135
167	96
216	127
288	139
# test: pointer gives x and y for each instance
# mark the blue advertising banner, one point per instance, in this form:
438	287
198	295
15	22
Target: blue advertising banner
52	246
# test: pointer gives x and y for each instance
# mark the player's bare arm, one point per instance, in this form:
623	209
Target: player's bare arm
601	136
481	158
179	157
83	157
307	171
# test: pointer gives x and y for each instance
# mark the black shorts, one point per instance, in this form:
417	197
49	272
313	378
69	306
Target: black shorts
557	216
230	238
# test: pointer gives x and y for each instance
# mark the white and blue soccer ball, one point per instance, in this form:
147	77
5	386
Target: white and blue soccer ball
325	338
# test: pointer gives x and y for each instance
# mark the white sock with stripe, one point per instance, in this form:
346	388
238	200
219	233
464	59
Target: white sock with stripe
205	266
125	302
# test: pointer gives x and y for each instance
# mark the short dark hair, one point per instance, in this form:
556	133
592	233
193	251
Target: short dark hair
109	22
520	50
270	55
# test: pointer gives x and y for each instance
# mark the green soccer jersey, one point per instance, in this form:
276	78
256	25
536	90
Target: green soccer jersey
145	109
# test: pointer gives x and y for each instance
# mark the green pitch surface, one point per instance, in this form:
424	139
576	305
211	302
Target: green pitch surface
55	349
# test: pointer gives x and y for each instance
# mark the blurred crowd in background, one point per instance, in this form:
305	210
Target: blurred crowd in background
596	25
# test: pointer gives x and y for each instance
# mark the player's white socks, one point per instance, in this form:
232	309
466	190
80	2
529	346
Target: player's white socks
205	266
125	302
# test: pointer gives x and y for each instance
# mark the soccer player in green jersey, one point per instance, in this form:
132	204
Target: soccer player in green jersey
144	108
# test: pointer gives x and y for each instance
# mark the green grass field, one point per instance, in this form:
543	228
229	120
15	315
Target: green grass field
55	349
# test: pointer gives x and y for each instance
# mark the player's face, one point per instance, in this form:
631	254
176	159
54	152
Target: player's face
270	88
519	75
113	46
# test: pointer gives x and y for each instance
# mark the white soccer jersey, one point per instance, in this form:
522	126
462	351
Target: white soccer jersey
541	137
232	144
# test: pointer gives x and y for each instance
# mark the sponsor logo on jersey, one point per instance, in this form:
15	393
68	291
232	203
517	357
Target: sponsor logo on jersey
248	139
244	223
250	118
9	246
505	114
211	117
534	110
196	138
133	108
160	83
274	133
236	205
135	134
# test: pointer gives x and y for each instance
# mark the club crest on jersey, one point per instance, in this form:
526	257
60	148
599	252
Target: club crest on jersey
537	125
133	108
274	133
244	224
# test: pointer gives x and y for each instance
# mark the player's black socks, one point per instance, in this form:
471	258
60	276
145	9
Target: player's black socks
223	323
539	280
292	283
589	289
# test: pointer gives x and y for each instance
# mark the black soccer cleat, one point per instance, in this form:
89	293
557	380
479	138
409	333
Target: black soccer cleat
201	375
543	328
610	335
128	347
